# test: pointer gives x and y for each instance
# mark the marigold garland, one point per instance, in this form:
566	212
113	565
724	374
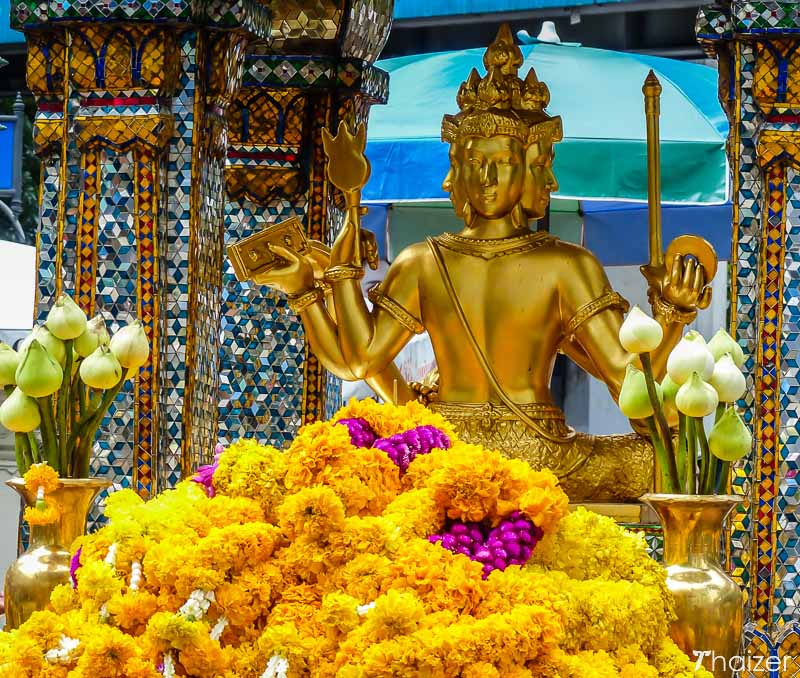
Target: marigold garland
316	562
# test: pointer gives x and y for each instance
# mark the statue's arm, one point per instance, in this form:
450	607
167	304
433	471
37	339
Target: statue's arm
369	340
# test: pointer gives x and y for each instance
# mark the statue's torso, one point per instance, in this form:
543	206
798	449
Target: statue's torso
512	305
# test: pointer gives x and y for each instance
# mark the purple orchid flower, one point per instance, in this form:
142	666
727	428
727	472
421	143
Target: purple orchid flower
402	448
361	433
74	566
205	474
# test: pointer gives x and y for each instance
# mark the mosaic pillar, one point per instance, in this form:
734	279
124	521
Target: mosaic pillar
756	44
131	127
271	381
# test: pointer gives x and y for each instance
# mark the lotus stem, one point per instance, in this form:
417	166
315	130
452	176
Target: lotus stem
34	447
19	452
691	471
49	436
61	405
668	471
681	463
707	467
647	366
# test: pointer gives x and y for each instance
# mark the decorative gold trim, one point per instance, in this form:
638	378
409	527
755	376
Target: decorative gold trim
400	314
300	302
587	311
671	313
489	248
343	272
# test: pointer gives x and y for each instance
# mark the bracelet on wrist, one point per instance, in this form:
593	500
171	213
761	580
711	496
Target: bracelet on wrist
671	313
343	272
302	300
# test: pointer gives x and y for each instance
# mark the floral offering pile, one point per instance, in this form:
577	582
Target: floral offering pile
377	545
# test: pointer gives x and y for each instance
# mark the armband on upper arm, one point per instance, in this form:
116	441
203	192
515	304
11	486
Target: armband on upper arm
396	310
587	311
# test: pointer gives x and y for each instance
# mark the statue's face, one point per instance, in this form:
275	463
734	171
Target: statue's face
495	174
492	174
540	181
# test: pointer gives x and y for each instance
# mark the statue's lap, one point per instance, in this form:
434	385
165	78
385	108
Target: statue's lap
614	468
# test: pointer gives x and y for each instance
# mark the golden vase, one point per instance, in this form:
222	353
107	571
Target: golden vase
708	603
32	577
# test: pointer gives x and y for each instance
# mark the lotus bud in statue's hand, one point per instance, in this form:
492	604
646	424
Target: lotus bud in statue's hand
640	333
9	362
101	369
730	439
93	336
38	374
130	346
689	356
722	343
696	398
66	320
634	401
19	413
728	380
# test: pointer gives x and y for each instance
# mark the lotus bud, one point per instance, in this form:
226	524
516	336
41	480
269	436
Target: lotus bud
66	320
9	361
38	374
93	336
722	343
130	345
20	413
690	355
696	398
634	401
728	380
670	389
730	439
101	369
640	333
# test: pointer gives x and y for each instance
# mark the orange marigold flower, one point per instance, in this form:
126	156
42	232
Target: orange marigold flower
44	476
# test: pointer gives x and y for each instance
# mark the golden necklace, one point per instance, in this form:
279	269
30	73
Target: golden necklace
489	248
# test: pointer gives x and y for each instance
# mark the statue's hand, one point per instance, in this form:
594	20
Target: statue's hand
293	277
348	168
685	284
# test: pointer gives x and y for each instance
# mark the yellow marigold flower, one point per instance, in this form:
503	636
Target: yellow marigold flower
314	512
131	611
42	515
41	475
107	652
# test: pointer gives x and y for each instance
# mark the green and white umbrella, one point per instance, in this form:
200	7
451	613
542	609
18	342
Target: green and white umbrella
598	95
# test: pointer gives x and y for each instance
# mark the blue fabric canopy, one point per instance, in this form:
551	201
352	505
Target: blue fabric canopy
598	95
410	9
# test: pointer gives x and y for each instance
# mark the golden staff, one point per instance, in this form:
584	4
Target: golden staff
652	110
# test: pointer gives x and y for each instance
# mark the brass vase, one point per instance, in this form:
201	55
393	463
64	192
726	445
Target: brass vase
32	577
708	603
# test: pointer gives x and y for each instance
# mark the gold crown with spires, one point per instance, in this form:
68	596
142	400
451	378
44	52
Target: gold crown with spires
501	103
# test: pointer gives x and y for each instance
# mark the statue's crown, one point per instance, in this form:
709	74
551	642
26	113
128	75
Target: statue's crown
501	102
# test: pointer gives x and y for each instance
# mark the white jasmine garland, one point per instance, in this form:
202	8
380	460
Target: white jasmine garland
111	556
63	653
136	575
363	609
219	628
277	667
169	666
196	607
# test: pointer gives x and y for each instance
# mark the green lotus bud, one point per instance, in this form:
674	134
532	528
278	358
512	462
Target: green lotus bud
730	439
696	398
9	361
690	355
722	343
728	380
93	336
38	375
101	369
19	413
130	345
66	320
640	333
634	402
670	389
